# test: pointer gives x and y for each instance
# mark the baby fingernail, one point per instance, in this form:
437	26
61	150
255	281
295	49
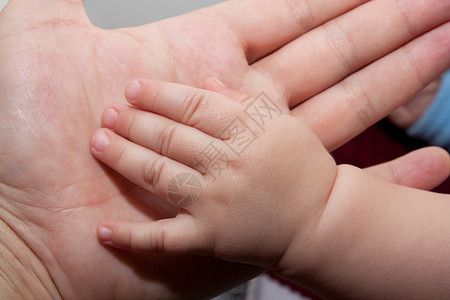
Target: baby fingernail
133	90
110	118
105	234
101	141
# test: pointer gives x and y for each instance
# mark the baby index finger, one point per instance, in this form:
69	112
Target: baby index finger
204	110
159	134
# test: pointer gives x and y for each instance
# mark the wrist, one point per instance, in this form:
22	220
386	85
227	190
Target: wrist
304	261
299	253
367	231
23	274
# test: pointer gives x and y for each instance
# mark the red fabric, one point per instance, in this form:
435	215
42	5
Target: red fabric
380	143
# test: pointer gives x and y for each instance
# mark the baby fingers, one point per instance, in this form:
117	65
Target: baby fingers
156	173
159	134
178	236
204	110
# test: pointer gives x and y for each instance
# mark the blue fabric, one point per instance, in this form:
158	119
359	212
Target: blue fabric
434	125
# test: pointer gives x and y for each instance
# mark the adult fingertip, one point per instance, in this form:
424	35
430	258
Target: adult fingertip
445	156
437	158
428	168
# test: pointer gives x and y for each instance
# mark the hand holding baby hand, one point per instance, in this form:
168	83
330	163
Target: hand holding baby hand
247	177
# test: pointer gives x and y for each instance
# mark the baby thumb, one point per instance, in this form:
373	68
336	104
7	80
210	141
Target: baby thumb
181	235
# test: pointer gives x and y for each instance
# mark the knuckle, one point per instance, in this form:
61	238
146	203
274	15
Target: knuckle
341	44
157	95
136	240
131	125
416	72
301	9
158	237
165	139
153	171
360	104
131	240
396	176
191	107
119	156
150	239
402	8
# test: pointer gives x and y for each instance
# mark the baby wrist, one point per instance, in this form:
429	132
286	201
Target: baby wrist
300	255
306	254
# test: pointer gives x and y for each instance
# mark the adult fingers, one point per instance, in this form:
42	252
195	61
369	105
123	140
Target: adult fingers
36	13
264	26
328	54
261	27
422	169
367	96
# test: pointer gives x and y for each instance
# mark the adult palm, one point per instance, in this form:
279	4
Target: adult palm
58	72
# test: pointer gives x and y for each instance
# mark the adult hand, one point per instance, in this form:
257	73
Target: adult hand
58	72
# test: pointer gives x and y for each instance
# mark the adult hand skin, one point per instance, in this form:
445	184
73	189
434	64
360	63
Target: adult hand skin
58	72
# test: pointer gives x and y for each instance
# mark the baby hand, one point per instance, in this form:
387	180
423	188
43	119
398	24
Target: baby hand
246	177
